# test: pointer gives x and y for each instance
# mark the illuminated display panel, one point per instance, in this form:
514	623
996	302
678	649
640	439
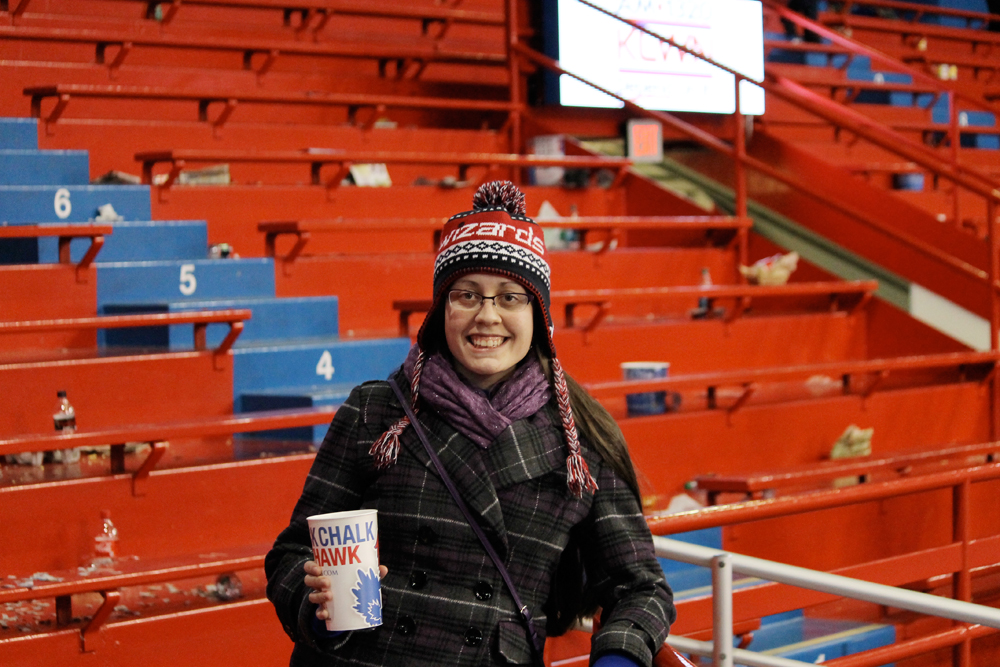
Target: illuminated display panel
653	74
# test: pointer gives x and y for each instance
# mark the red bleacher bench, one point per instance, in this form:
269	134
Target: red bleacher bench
65	234
316	13
612	226
230	100
62	585
318	158
973	365
851	296
200	319
766	484
157	435
420	51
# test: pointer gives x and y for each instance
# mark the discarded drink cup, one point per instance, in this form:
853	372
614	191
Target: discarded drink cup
649	402
345	545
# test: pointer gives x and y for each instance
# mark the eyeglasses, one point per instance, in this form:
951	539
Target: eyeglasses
508	302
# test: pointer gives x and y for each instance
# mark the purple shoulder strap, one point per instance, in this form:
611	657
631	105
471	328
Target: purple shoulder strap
522	608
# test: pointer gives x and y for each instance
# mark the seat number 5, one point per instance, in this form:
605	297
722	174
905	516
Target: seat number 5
188	282
325	365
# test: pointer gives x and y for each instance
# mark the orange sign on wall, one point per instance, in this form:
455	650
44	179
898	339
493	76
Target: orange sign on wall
644	140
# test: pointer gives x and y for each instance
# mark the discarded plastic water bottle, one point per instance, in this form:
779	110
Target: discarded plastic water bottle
64	419
105	541
704	308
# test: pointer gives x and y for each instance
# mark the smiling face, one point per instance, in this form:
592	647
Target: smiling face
487	343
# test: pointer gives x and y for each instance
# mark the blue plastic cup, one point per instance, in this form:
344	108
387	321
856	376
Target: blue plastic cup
649	402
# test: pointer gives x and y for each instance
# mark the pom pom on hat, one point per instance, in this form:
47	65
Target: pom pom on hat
499	194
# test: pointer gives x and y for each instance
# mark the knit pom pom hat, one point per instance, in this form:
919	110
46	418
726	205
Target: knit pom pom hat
494	237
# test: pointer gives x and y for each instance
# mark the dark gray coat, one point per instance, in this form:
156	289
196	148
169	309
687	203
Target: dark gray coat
443	599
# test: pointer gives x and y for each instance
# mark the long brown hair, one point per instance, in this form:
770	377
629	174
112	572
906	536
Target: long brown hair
597	427
572	596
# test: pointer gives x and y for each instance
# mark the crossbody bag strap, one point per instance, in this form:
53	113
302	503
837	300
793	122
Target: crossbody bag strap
529	625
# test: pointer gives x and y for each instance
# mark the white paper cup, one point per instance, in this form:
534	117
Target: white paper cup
650	402
345	545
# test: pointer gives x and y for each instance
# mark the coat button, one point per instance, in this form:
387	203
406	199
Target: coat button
418	579
473	637
426	536
405	626
483	591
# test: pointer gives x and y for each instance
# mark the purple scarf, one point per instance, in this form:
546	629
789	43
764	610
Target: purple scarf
479	415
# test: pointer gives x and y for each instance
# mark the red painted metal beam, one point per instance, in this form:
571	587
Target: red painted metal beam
35	231
124	321
958	360
755	510
185	40
900	462
244	632
603	299
66	92
316	159
350	8
65	233
201	319
196	509
912	647
916	10
139	572
191	428
302	229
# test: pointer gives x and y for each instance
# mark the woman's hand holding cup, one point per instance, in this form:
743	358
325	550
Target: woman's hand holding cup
323	587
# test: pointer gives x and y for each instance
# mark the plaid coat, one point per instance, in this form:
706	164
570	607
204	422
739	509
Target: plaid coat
443	601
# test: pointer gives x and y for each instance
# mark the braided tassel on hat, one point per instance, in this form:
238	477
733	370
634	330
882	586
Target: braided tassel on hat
578	473
386	448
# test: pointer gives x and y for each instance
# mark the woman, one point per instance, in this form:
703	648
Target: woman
542	467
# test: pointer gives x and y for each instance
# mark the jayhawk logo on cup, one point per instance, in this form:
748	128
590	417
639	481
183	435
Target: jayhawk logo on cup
369	597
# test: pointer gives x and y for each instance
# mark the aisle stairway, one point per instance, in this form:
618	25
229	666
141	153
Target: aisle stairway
905	216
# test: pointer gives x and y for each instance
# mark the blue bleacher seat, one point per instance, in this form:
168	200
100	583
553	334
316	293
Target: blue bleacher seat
139	240
302	397
273	320
684	578
131	241
33	167
860	70
30	204
166	281
315	363
795	636
18	133
954	21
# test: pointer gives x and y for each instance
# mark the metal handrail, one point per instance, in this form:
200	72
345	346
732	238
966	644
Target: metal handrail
960	483
876	56
723	564
835	584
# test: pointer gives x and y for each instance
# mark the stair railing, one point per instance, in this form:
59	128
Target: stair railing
916	11
960	557
724	564
869	129
953	96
